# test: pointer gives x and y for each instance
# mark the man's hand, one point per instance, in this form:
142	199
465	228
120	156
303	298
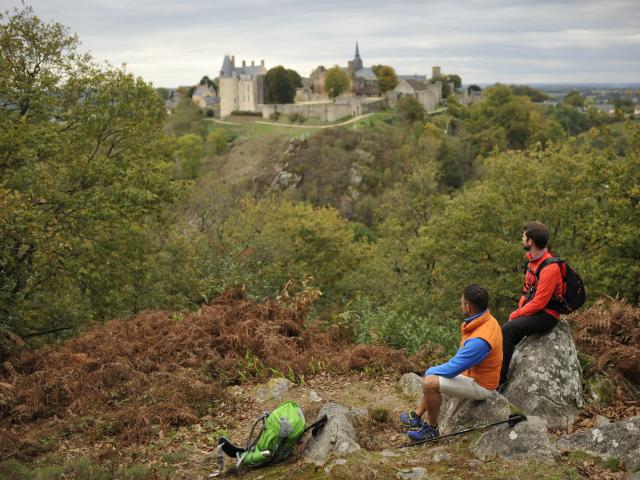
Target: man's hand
513	315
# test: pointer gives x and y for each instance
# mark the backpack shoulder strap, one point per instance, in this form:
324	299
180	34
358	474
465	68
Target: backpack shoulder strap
546	262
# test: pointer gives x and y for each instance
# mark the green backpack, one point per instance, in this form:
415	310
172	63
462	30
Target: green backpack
281	429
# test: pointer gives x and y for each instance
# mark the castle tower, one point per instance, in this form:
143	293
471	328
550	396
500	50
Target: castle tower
357	61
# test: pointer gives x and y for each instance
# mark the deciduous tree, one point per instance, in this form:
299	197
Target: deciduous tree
84	170
387	78
336	82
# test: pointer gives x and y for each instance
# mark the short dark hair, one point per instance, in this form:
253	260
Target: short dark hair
538	232
477	296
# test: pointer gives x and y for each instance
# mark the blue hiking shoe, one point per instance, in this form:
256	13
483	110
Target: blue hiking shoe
425	432
410	420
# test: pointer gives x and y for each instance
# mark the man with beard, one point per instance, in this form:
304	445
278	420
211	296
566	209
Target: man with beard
533	314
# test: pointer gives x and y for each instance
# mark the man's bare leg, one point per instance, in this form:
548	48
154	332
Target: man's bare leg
431	399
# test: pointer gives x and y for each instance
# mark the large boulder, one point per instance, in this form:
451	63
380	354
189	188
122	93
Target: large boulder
545	378
338	437
457	414
619	440
527	439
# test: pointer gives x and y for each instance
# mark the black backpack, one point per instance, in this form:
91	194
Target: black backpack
573	292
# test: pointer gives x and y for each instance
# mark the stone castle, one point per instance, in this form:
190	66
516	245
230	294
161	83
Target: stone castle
242	88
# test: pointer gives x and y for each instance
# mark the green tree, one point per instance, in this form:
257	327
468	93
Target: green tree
270	242
279	85
186	118
410	110
217	141
387	78
84	176
206	81
189	154
295	77
534	94
455	79
163	93
336	82
574	98
583	190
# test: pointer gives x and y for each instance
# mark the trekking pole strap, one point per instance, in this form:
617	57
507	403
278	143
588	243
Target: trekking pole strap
513	420
317	426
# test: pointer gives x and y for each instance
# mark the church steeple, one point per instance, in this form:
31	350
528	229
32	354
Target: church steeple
357	61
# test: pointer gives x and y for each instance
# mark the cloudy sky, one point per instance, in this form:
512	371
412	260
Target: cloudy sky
176	42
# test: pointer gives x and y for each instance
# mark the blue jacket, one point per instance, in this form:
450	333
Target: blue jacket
471	353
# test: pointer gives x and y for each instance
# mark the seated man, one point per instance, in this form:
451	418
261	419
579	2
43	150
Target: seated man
472	373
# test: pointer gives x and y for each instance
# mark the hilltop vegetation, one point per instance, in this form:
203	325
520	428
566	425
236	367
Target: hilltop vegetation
320	240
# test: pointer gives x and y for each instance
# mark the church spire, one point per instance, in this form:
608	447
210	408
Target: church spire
357	61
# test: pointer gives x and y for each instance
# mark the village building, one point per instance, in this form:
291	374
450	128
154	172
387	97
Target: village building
241	88
427	92
205	96
362	80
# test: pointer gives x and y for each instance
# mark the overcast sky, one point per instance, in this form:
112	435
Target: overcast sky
177	42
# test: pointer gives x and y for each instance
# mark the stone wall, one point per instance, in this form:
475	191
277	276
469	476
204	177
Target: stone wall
326	111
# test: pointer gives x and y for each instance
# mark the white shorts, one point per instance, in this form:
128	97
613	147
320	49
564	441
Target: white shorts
463	387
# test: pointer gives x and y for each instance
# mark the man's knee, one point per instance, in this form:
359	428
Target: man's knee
510	328
431	383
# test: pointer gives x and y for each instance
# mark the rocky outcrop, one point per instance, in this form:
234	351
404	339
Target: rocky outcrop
457	413
274	389
619	440
285	180
545	378
337	438
527	439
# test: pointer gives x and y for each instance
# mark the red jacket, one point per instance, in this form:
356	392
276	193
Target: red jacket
549	285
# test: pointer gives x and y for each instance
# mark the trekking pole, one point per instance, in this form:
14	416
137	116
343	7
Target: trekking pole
513	420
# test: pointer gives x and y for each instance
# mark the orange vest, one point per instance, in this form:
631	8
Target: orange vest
487	372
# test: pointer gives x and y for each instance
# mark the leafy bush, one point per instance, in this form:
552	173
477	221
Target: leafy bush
296	117
217	141
402	330
246	113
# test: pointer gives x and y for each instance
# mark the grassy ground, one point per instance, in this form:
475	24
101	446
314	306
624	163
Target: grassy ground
187	452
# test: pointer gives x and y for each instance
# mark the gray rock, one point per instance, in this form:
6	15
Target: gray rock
285	179
411	385
337	437
314	397
525	440
274	389
415	473
619	439
601	421
457	413
389	453
358	412
440	457
545	378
